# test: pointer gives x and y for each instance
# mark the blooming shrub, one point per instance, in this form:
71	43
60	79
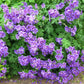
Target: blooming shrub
42	41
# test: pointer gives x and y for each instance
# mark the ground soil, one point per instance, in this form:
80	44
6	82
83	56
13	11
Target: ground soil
77	80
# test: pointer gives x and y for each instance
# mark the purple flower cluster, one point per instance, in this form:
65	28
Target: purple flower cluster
30	74
27	16
19	51
72	30
3	49
59	55
24	60
3	53
73	55
70	13
60	5
53	13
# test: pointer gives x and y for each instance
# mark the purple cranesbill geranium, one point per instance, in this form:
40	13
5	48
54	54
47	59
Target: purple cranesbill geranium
82	58
17	37
63	74
74	4
0	28
51	47
62	16
43	17
74	64
59	51
53	13
75	71
77	14
60	5
19	51
23	74
23	60
4	70
2	34
80	68
67	29
2	43
31	74
2	74
43	5
82	52
36	6
59	40
63	65
59	57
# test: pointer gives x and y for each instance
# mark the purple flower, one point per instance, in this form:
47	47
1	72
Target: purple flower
0	28
70	49
82	58
4	70
2	34
82	52
36	6
80	68
43	17
63	65
2	74
31	74
67	29
75	71
23	74
53	13
59	40
43	5
59	51
63	74
77	14
19	51
17	37
23	60
4	63
57	6
62	16
59	57
51	47
60	5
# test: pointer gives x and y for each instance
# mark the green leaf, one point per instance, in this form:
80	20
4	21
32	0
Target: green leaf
66	43
49	28
8	2
40	32
32	1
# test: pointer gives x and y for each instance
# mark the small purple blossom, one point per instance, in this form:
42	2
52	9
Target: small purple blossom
82	52
36	6
4	70
43	17
59	40
82	58
0	28
43	5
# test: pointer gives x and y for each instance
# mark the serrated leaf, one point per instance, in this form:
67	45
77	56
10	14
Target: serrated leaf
66	43
49	28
